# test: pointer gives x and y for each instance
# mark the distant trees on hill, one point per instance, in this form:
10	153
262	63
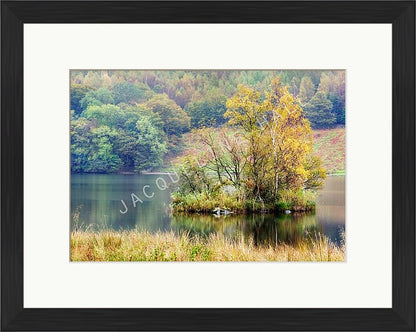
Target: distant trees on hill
119	118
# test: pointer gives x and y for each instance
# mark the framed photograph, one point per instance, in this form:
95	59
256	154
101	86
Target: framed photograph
204	165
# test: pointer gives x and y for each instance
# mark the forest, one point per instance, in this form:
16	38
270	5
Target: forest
134	121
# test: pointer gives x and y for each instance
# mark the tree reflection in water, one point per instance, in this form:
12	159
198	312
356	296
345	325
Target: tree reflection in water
262	229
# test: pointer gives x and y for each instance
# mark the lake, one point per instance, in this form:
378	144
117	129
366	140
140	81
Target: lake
107	201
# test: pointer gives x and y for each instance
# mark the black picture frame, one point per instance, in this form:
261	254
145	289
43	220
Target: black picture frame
401	14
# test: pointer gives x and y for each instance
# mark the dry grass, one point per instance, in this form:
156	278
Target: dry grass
145	246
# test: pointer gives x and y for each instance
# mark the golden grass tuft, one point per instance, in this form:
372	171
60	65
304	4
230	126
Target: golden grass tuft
145	246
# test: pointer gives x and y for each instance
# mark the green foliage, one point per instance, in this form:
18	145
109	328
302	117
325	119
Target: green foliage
107	139
126	147
174	119
108	115
338	108
127	92
78	92
204	202
296	200
207	112
333	85
203	93
171	102
96	98
319	111
131	114
92	148
104	96
150	145
80	144
102	158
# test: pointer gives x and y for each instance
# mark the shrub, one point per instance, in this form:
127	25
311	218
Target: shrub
296	200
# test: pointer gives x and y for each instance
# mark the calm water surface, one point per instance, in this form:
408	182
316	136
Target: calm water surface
96	204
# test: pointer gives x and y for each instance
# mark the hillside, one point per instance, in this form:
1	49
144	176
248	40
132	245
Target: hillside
329	144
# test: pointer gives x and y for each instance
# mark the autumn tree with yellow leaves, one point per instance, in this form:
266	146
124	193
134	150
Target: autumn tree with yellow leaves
279	140
276	146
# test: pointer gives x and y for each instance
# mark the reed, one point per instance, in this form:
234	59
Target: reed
144	246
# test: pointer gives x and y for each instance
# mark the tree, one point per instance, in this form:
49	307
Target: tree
150	145
108	115
183	90
279	141
97	98
319	111
174	119
290	139
333	85
126	147
78	92
244	110
269	150
92	148
192	177
93	79
234	147
316	174
208	138
306	89
80	144
104	96
127	92
102	158
208	111
338	108
132	113
137	141
222	152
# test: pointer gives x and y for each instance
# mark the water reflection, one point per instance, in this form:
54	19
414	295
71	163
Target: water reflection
96	203
262	229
